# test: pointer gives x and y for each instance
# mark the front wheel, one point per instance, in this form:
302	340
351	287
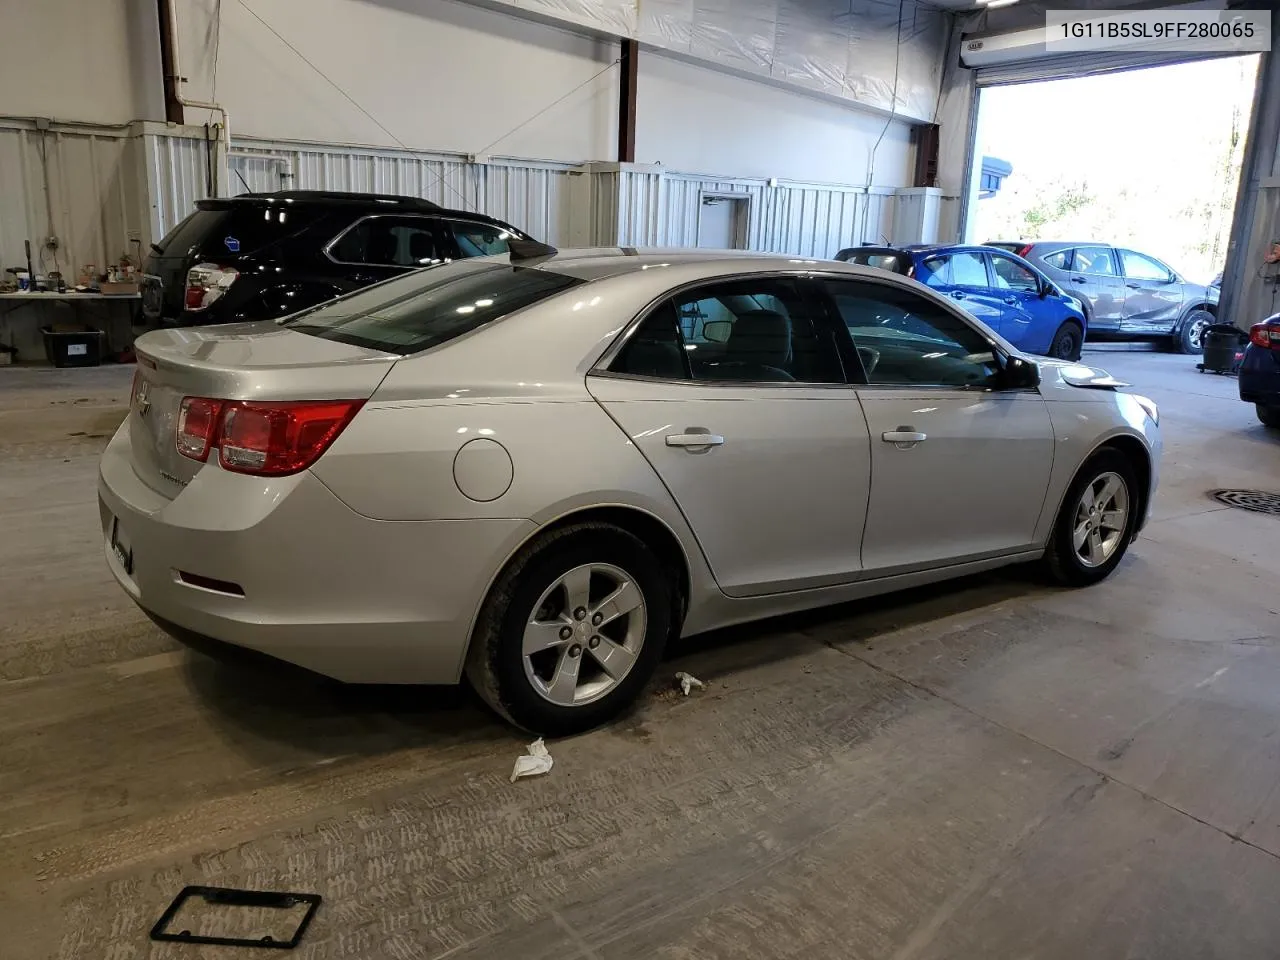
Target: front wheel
572	629
1190	336
1067	342
1096	522
1268	416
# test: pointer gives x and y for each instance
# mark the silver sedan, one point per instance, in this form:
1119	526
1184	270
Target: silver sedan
537	470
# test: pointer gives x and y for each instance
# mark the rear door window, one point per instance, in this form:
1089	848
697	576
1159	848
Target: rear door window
935	272
968	270
393	242
1097	261
430	307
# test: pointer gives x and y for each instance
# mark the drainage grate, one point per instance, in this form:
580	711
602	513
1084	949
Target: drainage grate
1257	501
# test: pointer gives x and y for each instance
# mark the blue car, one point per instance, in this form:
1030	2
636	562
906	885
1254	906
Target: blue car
1001	289
1260	370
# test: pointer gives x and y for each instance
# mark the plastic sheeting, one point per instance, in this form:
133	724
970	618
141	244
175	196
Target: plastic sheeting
847	48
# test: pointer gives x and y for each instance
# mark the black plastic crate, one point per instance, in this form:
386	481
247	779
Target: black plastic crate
73	348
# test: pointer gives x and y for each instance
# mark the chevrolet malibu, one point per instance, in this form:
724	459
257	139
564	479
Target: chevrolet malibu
537	469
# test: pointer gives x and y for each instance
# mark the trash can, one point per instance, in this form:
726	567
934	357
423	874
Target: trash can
1223	344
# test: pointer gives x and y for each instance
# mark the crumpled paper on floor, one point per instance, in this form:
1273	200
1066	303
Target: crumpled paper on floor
534	763
688	682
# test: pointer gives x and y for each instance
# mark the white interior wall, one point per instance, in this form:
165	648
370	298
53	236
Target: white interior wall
90	60
692	118
438	75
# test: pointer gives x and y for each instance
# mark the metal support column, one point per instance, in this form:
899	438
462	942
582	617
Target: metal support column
1249	286
627	82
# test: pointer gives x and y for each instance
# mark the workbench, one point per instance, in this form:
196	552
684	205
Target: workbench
27	339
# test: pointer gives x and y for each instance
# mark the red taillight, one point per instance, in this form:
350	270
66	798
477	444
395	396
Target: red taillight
1265	335
1024	249
271	438
197	421
206	282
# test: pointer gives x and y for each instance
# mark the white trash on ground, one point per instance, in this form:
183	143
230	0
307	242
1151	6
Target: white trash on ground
688	682
534	763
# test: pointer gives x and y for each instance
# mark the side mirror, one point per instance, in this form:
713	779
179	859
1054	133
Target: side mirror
1019	373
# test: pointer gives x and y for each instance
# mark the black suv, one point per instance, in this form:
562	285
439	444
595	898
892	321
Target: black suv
265	255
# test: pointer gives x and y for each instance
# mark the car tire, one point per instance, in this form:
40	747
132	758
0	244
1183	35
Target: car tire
1268	416
1067	342
1189	337
533	691
1073	563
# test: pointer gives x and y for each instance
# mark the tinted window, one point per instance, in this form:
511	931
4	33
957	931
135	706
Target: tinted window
430	307
935	272
238	229
1095	260
393	241
902	338
1059	259
656	349
1138	267
758	331
1011	275
968	270
478	239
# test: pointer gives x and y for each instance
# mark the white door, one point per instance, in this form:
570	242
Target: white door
959	467
734	394
718	223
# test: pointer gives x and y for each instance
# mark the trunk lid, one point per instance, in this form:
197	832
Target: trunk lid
251	361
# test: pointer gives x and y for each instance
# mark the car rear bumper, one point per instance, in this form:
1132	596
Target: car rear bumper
1260	376
298	575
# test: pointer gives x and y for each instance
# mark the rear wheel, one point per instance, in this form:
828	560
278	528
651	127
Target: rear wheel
1190	336
572	629
1268	415
1096	521
1067	342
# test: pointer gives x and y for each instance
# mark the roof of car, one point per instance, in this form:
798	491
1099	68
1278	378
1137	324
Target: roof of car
594	263
371	201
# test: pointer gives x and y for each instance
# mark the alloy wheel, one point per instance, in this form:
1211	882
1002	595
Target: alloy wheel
1101	519
1196	334
585	634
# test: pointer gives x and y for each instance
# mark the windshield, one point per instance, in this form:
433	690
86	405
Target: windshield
429	307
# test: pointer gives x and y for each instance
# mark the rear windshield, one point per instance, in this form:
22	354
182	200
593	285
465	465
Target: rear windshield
241	229
429	307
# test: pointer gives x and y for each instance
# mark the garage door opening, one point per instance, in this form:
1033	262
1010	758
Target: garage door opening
1146	160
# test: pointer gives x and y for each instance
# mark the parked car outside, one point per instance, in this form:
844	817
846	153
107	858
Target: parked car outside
1001	289
1260	370
1127	295
261	256
538	470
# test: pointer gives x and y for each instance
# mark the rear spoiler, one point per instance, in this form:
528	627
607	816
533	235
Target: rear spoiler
885	258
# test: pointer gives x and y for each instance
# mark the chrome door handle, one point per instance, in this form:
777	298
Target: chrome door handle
694	440
1011	300
904	437
957	294
1132	286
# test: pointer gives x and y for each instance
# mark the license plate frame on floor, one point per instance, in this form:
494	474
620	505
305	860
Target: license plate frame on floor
229	897
120	547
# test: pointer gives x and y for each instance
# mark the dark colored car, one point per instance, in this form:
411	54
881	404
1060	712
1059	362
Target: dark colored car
1001	289
1260	370
262	256
1127	295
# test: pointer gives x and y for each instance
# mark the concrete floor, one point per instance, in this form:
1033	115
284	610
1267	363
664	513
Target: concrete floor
991	769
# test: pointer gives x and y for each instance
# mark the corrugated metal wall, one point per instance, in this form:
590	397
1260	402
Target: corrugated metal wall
809	220
528	194
80	184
